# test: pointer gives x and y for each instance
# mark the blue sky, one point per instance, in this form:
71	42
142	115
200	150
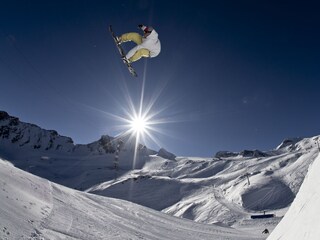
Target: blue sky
232	75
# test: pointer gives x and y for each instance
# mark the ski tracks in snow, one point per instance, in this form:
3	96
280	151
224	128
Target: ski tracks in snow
233	208
57	223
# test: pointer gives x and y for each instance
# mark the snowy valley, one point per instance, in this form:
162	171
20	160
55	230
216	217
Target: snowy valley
78	194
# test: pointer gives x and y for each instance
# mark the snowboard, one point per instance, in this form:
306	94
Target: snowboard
122	53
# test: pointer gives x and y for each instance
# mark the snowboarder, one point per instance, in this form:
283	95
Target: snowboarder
266	231
148	45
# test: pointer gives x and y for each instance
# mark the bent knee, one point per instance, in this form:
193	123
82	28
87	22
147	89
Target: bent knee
132	36
144	52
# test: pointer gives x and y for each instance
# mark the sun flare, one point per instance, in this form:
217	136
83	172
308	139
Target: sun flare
138	125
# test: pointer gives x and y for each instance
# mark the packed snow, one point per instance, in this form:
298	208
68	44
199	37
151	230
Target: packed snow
302	221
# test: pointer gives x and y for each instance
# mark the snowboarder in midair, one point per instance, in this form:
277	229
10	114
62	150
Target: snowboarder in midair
266	231
148	45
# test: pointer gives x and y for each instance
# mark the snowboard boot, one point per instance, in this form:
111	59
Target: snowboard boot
118	40
125	60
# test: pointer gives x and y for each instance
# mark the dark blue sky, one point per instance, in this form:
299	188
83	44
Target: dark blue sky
232	75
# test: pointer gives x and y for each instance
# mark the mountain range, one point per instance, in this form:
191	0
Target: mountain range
224	190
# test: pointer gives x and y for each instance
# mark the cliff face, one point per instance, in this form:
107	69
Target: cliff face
29	136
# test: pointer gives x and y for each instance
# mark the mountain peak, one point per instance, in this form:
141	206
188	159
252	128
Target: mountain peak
289	142
3	115
165	154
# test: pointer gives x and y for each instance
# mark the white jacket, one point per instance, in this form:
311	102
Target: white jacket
151	42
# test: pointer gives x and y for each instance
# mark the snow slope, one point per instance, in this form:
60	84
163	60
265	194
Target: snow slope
217	190
34	208
226	189
302	220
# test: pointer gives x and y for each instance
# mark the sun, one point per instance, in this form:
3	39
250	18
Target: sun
138	125
139	119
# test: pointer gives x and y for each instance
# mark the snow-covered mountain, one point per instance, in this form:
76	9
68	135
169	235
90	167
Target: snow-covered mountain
228	189
47	154
225	190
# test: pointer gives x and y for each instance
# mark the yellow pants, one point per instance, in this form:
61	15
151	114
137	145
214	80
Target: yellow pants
135	54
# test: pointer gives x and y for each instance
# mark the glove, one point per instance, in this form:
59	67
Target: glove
142	27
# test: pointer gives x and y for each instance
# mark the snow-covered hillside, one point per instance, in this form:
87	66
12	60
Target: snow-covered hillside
47	154
303	218
225	190
34	208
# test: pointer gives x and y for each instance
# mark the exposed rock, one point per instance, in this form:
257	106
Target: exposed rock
3	115
253	153
225	154
288	143
165	154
